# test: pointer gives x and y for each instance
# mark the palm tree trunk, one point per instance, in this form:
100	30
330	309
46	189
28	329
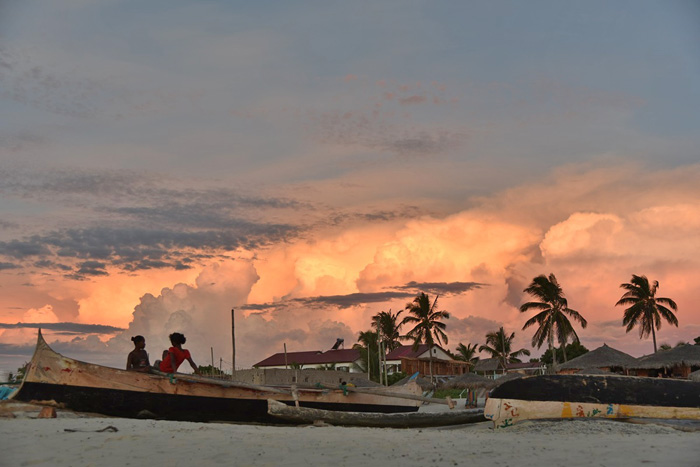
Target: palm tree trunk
554	354
653	335
430	364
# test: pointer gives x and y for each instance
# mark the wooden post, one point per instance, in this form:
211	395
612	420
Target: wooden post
233	344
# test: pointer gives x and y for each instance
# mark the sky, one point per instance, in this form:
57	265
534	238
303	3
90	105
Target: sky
312	163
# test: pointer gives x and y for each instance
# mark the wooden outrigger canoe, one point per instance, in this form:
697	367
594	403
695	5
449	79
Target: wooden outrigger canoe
54	379
602	396
376	420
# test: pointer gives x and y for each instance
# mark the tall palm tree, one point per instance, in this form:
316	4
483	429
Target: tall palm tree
552	318
645	308
500	346
389	332
369	361
389	329
467	353
428	326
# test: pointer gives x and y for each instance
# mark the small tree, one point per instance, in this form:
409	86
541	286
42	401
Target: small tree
573	350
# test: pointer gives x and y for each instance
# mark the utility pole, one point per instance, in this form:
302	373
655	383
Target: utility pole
233	344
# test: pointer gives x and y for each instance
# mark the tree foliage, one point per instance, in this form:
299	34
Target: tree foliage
369	355
573	350
389	328
645	309
467	353
553	315
427	324
500	345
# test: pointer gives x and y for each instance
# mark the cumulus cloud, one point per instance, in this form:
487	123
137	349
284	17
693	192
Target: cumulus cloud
40	315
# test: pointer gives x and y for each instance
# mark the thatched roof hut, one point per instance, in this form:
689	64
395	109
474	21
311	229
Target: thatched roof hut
489	366
469	380
682	356
602	357
424	383
694	376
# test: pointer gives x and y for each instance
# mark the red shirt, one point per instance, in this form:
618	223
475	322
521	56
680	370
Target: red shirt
180	356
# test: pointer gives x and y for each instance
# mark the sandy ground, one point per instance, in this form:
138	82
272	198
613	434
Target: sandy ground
26	440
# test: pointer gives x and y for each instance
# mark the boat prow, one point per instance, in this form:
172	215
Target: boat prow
582	396
52	378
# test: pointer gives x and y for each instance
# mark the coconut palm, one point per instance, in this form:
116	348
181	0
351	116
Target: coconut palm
389	332
645	308
428	326
467	353
500	346
369	361
389	329
554	313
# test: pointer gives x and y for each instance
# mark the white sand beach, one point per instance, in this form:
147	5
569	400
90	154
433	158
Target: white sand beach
27	440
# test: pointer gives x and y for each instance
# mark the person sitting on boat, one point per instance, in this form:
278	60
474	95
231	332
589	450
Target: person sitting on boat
177	355
138	358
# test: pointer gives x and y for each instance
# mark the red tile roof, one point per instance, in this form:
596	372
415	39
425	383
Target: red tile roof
406	351
314	357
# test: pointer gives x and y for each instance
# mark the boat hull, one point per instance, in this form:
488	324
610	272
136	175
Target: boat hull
592	396
54	379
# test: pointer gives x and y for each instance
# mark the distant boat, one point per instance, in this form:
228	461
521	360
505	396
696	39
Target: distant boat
581	396
57	380
376	420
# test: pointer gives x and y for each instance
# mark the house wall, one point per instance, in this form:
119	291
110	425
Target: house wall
284	377
346	367
440	367
680	371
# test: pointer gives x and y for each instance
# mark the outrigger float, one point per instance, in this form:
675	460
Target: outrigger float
600	396
53	379
375	420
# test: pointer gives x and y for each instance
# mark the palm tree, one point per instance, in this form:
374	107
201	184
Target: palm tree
467	353
428	327
552	317
499	346
645	308
389	332
385	322
369	361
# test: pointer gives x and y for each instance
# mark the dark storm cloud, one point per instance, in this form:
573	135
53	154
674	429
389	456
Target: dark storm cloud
339	301
92	268
8	266
65	327
442	288
358	299
136	221
140	248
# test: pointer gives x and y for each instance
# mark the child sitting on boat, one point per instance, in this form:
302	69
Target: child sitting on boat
138	358
176	355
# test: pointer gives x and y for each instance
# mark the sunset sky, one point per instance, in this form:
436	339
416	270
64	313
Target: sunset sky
312	163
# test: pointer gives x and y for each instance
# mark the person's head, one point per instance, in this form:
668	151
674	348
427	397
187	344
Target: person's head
177	339
139	342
